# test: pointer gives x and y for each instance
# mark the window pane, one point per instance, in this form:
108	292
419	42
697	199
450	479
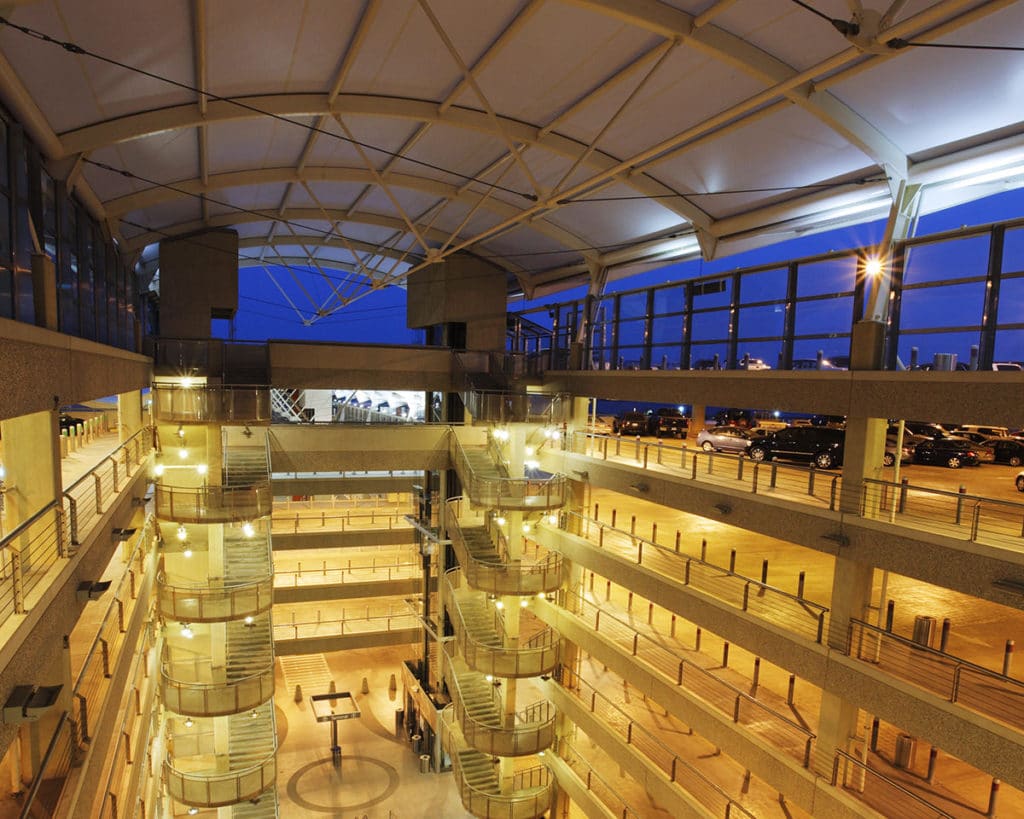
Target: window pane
957	305
953	259
827	277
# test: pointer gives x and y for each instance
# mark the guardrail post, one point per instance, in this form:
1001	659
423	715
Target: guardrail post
654	533
774	476
753	479
792	689
703	549
810	480
732	561
693	469
614	512
739	468
821	627
764	572
105	654
960	503
678	536
890	611
17	582
944	635
711	461
975	521
993	797
99	493
83	716
725	655
686	573
120	616
757	677
1008	657
696	646
746	595
638	449
800	585
113	463
902	504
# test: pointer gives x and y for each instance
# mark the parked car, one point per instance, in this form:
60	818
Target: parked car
736	417
630	423
1007	450
821	445
752	364
951	452
667	421
979	429
926	428
1020	481
1007	366
906	452
812	364
706	364
69	421
726	439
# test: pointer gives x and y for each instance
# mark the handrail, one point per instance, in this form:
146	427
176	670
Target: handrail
756	597
507	493
219	504
676	768
997	697
572	758
37	783
179	778
918	801
672	666
204	403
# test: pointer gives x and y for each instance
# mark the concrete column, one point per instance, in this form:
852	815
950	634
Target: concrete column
697	422
129	414
44	291
211	452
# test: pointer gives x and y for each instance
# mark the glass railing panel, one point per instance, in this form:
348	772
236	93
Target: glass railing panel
173	403
213	699
207	602
214	504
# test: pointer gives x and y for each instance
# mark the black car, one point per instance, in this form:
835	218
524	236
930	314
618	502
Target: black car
821	445
951	452
69	421
736	418
1008	450
630	423
667	421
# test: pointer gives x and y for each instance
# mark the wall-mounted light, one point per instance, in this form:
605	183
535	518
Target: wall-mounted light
188	722
181	431
183	453
186	631
247	529
187	553
202	469
248	620
182	531
553	520
531	464
158	470
500	520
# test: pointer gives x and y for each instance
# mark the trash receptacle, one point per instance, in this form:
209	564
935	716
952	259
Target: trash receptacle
924	630
906	748
400	723
415	740
424	763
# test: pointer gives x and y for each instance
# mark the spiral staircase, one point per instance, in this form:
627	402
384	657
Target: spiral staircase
215	594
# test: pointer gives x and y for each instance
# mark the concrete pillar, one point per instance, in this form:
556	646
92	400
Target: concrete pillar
129	414
697	422
44	291
211	452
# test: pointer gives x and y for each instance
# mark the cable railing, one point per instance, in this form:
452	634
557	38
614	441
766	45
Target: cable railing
973	518
958	515
348	624
213	504
206	403
797	614
531	658
707	793
594	782
92	683
880	792
740	706
530	795
959	681
501	577
377	572
506	493
343	521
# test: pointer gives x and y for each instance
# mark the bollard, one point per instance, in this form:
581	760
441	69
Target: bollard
332	688
732	561
764	572
393	685
792	689
932	756
697	641
629	604
800	585
1008	658
902	503
757	676
993	797
678	536
608	591
704	549
366	686
725	655
298	693
672	627
613	517
890	611
960	503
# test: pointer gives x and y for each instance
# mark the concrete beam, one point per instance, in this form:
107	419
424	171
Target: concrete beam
343	642
286	541
358	447
326	485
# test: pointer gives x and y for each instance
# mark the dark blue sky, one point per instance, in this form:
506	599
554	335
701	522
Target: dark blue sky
380	316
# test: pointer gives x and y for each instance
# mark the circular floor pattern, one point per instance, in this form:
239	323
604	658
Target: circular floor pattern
281	720
320	787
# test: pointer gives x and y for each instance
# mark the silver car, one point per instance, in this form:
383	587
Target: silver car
725	439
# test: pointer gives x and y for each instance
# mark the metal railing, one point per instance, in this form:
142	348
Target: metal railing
973	518
506	493
797	614
712	797
344	521
213	790
880	792
529	731
760	718
503	407
383	572
501	577
174	403
211	697
530	796
92	683
987	692
233	362
594	782
214	504
207	602
958	515
348	624
535	656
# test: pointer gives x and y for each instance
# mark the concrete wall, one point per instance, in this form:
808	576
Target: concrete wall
297	365
462	288
198	281
43	370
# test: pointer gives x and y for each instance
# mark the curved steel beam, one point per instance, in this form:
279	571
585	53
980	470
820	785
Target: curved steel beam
136	126
117	208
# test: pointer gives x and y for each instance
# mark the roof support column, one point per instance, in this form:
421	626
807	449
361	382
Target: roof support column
584	340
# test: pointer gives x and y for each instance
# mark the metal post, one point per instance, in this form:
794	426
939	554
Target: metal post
764	572
800	585
890	611
944	635
960	503
1008	658
902	505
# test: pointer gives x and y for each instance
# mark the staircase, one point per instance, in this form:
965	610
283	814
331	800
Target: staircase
479	545
251	739
479	771
248	650
478	620
481	462
478	700
246	560
245	466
